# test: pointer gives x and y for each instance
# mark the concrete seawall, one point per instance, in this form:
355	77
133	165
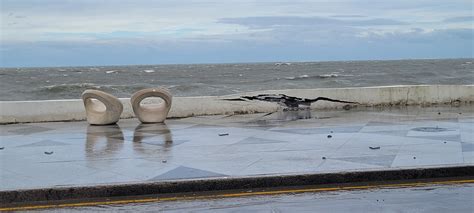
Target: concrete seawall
73	109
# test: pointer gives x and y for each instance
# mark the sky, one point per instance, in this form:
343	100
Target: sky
124	32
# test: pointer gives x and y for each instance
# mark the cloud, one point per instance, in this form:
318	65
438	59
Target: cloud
272	21
62	32
340	44
432	37
348	16
459	19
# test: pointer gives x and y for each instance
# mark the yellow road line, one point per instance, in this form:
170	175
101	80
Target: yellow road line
239	194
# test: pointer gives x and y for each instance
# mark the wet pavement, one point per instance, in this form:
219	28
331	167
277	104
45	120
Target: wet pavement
43	155
452	198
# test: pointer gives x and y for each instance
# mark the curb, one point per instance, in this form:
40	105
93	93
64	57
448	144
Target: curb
234	183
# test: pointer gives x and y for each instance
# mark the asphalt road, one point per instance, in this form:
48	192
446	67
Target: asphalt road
435	198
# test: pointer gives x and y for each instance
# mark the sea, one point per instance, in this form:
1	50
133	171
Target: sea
47	83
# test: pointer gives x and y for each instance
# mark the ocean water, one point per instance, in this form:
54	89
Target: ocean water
220	79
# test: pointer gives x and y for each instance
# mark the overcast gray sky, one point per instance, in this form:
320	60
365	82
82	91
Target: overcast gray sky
118	32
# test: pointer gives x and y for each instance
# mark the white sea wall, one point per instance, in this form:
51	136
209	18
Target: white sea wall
73	109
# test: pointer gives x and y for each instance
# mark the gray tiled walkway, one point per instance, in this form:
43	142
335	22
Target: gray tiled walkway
73	153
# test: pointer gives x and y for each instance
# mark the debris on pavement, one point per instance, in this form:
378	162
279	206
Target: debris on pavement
324	158
224	134
49	153
329	136
374	147
1	148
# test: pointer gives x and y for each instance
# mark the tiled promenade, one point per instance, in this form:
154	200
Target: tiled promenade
43	155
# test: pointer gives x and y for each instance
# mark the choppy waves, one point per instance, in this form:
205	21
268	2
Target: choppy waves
75	89
221	79
69	87
321	76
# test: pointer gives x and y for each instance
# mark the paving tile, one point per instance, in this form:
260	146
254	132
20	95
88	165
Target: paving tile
9	141
98	178
432	148
51	174
28	130
183	172
446	132
370	139
285	162
284	136
137	169
467	137
334	165
364	151
318	142
385	127
348	129
402	133
13	181
467	147
222	163
442	137
468	157
466	120
407	160
45	143
379	123
252	147
381	160
254	140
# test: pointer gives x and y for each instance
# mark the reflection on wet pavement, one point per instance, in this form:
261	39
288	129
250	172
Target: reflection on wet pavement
152	134
103	141
293	115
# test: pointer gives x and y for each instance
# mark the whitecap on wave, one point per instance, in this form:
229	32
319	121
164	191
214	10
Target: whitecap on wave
187	87
68	87
297	77
329	75
80	87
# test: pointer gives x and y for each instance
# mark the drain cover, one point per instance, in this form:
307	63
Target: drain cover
429	129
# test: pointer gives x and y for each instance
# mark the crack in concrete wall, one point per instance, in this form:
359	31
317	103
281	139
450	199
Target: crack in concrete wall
290	102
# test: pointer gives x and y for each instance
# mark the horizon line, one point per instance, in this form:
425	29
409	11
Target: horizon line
249	62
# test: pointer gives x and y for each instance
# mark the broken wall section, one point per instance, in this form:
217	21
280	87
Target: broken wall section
401	95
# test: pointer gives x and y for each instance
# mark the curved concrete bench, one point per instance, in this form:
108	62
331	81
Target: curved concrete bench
155	113
95	113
